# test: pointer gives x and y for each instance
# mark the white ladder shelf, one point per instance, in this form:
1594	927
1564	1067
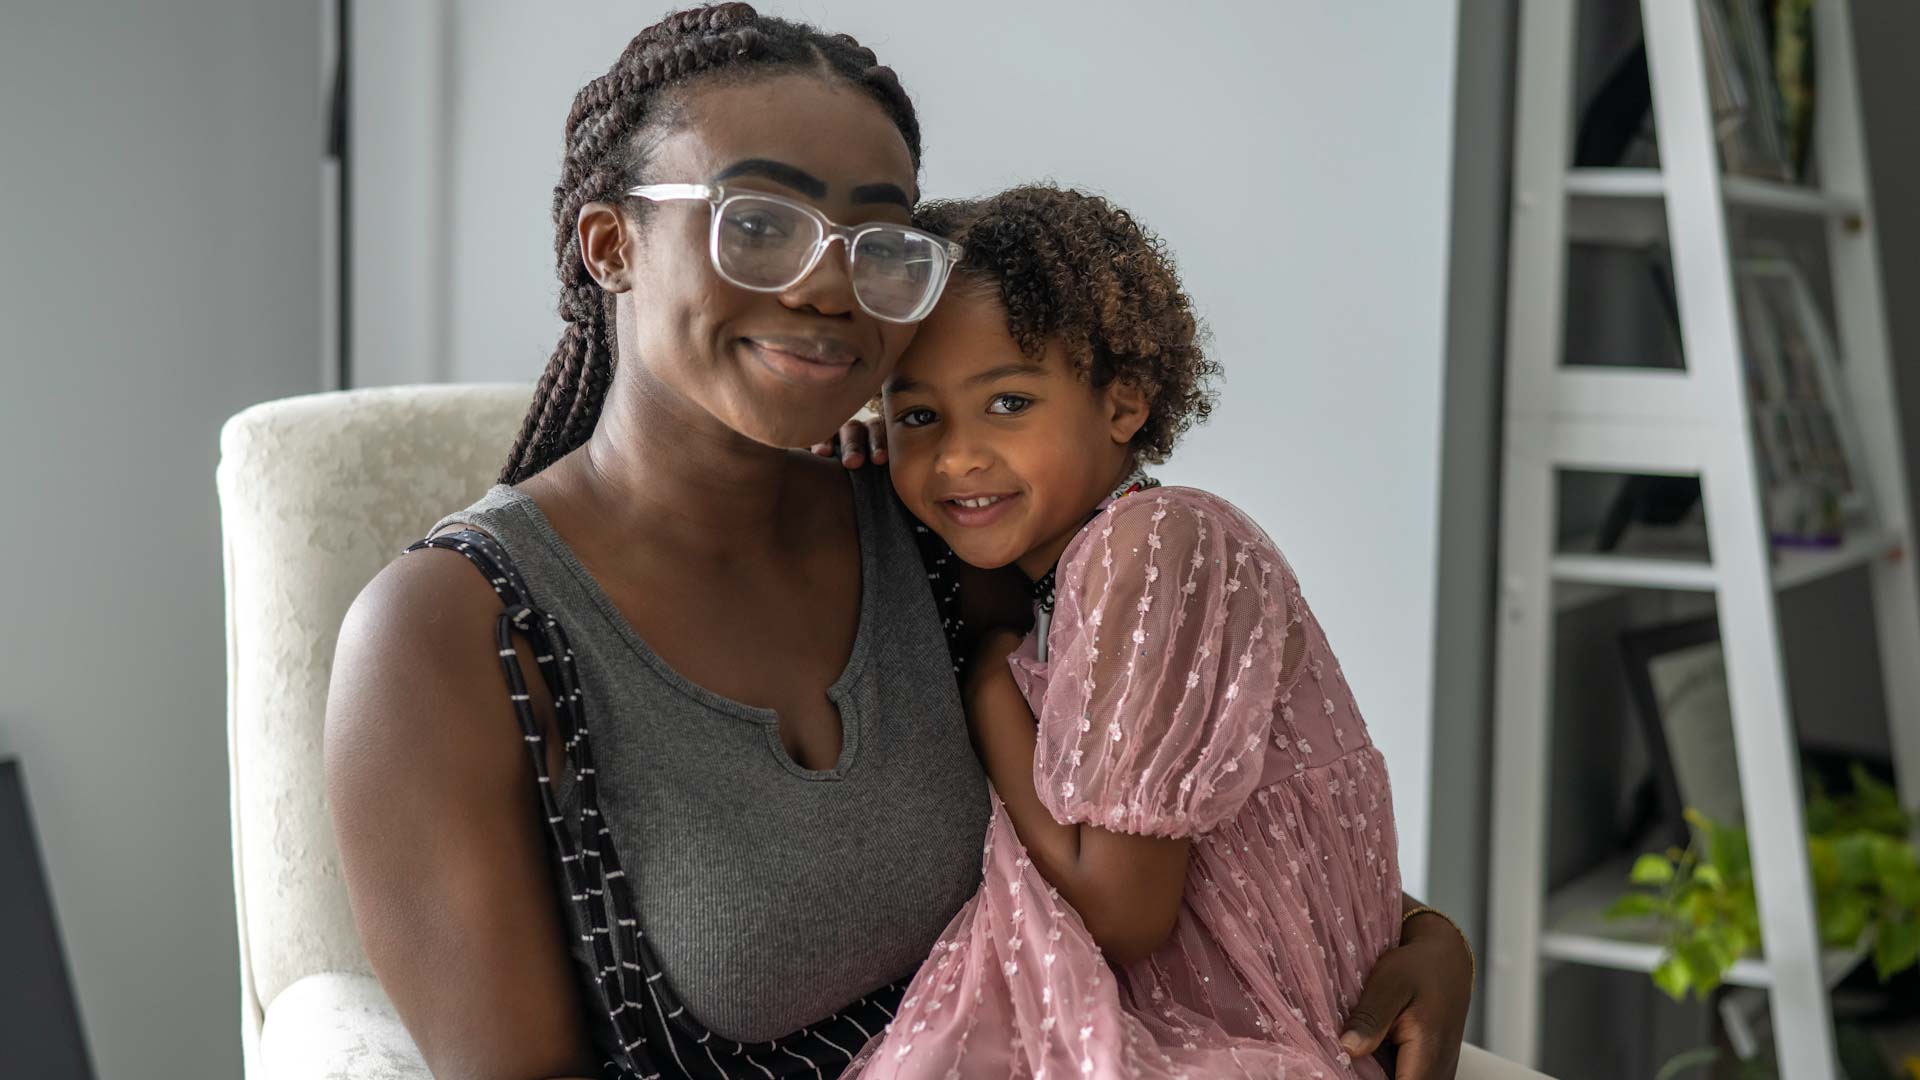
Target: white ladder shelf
1693	422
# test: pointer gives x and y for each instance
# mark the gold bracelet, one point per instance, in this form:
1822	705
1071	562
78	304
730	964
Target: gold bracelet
1473	968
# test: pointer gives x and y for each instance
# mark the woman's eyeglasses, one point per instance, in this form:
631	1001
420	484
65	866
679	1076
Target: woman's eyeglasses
769	244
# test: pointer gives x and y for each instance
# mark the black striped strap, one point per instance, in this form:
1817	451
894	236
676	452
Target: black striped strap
655	1034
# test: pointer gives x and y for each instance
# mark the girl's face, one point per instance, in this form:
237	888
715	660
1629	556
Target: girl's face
1002	456
782	369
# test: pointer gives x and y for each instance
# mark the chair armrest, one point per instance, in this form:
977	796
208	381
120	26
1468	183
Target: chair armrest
335	1025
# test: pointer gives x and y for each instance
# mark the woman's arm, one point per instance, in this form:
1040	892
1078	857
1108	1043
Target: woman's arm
1126	888
436	812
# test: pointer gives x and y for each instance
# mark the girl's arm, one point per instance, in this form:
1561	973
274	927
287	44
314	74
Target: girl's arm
1126	888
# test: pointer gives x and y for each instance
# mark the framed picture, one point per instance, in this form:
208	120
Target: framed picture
1678	679
1805	440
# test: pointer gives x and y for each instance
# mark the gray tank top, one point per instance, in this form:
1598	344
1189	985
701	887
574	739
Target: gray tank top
772	894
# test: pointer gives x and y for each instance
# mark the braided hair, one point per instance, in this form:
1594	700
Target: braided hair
604	155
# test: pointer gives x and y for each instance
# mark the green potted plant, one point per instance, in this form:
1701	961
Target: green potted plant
1866	881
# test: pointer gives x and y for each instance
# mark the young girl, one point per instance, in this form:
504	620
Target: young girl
1191	866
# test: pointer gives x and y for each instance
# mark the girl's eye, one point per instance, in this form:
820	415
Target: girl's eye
914	418
1009	404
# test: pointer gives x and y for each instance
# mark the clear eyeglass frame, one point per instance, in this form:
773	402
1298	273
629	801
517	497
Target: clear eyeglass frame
718	197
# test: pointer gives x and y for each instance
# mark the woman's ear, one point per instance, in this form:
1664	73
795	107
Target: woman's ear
1126	410
603	232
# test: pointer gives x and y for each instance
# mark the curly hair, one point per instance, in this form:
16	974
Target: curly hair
1073	268
606	151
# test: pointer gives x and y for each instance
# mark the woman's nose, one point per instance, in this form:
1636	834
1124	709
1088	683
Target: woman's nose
828	287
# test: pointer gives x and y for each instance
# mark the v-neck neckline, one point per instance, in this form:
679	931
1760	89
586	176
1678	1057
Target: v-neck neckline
837	692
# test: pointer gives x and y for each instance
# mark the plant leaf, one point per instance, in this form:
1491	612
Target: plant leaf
1671	975
1898	871
1635	906
1854	852
1873	794
1727	850
1844	918
1896	947
1703	965
1694	906
1652	870
1823	862
1726	942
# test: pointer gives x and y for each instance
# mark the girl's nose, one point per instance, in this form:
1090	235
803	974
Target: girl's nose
959	454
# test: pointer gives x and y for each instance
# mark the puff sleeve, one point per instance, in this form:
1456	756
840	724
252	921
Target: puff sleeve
1166	654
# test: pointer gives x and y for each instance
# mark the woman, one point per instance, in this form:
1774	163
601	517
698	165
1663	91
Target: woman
777	747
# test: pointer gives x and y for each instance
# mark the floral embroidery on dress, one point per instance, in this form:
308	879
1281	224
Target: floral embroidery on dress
1215	723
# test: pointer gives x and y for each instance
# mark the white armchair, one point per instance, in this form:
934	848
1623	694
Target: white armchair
318	493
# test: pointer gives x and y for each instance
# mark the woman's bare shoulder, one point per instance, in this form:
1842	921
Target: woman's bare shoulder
437	818
416	666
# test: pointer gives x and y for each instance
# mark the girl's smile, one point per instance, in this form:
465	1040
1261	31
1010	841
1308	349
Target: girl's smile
1002	454
977	511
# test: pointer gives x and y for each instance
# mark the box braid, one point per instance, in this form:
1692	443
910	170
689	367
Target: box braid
605	154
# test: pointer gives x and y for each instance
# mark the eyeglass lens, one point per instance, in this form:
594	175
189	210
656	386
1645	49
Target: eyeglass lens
764	244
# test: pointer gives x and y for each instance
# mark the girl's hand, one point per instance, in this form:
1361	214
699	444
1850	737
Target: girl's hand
861	439
1416	999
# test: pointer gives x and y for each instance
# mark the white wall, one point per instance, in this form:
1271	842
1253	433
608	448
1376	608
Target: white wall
1296	156
159	200
399	179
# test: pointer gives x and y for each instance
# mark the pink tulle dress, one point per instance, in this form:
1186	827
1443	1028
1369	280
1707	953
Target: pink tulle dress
1186	691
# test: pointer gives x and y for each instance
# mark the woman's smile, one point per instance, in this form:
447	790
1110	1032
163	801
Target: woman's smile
818	361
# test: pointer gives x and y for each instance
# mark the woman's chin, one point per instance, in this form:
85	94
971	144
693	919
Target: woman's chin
786	433
784	423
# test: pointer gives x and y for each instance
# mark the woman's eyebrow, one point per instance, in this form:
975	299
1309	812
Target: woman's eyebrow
779	172
880	193
810	185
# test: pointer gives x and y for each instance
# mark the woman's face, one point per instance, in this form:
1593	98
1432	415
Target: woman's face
783	369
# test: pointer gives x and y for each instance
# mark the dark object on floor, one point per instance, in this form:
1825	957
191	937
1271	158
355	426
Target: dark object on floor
40	1032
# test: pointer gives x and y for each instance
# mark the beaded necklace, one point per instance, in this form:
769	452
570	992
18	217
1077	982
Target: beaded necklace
1043	585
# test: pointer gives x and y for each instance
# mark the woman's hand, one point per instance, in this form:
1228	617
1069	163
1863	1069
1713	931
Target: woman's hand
989	663
997	715
861	439
1415	1000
